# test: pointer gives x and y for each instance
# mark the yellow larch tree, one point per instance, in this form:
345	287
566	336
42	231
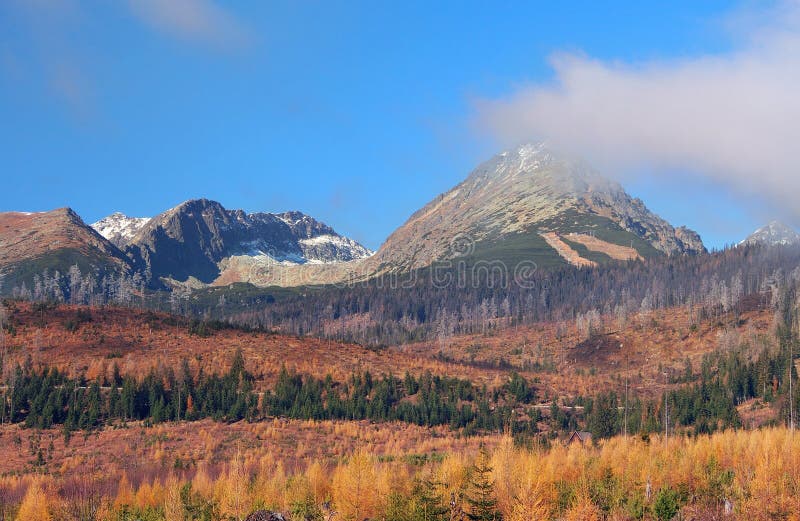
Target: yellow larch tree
318	481
173	506
125	495
35	505
354	488
232	489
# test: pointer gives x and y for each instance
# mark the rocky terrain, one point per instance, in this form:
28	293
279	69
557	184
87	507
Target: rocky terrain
199	239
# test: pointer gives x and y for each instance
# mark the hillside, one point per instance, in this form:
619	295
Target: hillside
305	409
558	356
571	370
31	243
79	339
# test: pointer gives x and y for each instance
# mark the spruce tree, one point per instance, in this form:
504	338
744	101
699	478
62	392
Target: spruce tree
428	504
481	500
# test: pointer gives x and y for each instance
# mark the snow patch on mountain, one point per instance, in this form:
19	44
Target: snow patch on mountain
119	229
773	234
328	248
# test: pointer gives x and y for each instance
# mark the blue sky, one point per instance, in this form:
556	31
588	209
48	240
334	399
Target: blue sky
356	113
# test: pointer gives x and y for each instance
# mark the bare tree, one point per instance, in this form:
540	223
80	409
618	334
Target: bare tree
3	360
82	498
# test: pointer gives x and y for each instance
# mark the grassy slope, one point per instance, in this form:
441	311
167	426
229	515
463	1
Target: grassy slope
602	228
530	246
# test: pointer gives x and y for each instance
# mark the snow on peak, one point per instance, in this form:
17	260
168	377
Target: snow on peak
775	233
118	228
531	149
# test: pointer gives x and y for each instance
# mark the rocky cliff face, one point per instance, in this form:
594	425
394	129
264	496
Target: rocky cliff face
200	239
633	216
319	243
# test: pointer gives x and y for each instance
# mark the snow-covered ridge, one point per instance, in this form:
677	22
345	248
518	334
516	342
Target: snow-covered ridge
118	228
328	248
321	249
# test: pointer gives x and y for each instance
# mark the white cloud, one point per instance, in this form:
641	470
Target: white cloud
197	21
734	118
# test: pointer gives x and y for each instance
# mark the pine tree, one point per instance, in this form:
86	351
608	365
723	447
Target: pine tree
603	420
429	505
482	501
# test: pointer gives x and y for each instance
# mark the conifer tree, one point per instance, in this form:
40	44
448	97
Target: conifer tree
429	505
482	500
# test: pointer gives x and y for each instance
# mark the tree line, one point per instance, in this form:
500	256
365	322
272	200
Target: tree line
383	312
43	397
396	309
702	402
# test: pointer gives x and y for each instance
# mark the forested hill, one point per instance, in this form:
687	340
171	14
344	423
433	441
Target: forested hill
109	366
394	310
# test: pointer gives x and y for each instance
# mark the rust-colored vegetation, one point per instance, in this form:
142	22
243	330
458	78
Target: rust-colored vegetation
750	474
364	470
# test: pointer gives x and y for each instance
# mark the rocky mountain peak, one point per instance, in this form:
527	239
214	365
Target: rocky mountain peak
202	239
305	226
531	191
775	233
538	164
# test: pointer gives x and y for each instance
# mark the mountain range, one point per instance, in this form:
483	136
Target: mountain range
189	243
529	203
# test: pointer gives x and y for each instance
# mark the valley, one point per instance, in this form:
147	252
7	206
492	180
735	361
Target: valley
399	261
535	335
568	367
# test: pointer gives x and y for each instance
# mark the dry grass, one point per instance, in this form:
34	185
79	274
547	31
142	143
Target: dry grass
164	448
137	341
640	350
566	251
615	251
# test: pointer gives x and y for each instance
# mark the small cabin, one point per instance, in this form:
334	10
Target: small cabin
580	437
